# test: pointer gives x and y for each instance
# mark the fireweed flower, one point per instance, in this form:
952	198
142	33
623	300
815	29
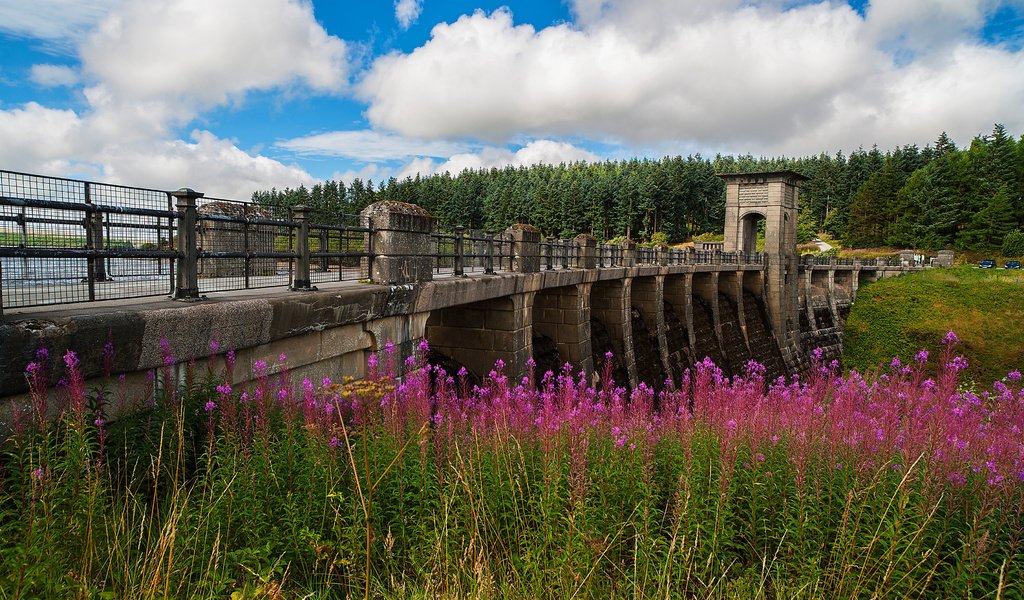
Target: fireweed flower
921	357
70	360
958	363
950	339
1013	376
210	406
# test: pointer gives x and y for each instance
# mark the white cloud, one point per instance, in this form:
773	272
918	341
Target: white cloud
417	166
37	138
760	77
154	65
205	163
536	152
61	22
407	11
207	53
924	25
370	146
53	75
371	171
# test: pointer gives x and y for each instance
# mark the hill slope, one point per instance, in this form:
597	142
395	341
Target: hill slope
898	317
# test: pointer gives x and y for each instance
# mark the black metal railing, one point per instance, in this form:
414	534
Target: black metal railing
65	241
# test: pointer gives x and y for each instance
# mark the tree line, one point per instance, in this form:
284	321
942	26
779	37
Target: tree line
937	197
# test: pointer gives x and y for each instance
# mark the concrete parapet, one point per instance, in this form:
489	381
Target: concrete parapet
402	246
525	248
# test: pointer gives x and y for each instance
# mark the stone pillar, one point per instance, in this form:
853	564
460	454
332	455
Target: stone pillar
610	304
403	250
628	253
906	258
586	257
661	254
944	259
525	248
187	282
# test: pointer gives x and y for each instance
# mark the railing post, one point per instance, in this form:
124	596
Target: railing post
96	243
489	259
187	283
324	242
301	282
92	222
459	268
549	246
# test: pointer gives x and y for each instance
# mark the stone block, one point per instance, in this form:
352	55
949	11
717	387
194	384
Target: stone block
395	270
500	319
345	339
471	318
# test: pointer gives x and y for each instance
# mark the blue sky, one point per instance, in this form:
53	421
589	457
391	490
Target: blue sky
229	96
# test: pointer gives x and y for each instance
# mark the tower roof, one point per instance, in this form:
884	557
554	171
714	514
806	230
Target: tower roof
763	176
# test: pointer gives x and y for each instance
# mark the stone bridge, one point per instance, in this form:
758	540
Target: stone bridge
657	316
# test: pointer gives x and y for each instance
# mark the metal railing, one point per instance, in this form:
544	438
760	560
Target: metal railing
66	241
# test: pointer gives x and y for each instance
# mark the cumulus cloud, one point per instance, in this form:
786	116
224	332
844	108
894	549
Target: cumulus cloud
370	146
407	11
53	75
536	152
210	52
153	65
762	77
205	162
37	138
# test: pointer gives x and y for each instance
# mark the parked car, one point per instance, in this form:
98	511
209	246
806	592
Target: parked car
988	263
1012	264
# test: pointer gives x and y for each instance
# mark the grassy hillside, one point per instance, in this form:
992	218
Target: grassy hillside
897	317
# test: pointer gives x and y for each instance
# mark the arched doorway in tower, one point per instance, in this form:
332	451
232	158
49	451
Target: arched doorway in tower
752	227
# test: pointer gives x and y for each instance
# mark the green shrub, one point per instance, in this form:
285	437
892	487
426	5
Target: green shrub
1013	243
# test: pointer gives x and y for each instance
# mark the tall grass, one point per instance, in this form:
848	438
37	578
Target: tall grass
413	484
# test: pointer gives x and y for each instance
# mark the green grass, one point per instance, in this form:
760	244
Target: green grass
897	317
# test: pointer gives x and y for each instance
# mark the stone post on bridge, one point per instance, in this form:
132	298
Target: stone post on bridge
628	253
944	259
525	248
586	257
403	249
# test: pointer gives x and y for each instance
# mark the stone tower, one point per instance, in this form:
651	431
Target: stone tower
771	197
